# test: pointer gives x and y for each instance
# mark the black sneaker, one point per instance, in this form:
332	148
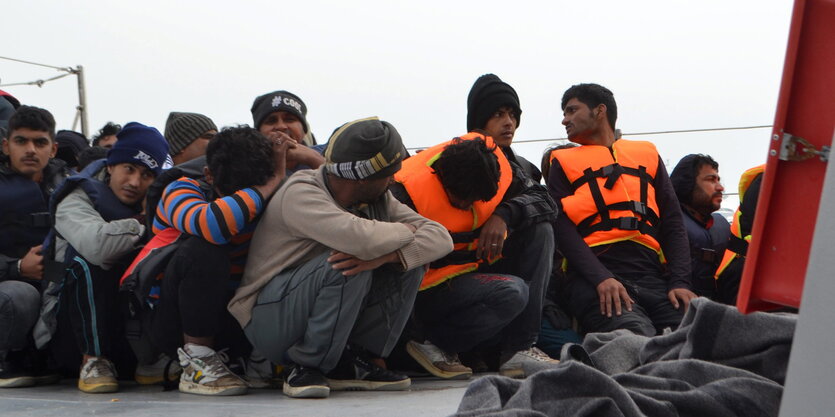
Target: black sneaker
13	376
303	382
355	372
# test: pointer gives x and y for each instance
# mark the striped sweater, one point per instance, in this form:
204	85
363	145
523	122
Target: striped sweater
228	221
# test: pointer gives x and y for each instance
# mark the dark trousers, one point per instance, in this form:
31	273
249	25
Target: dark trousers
650	314
499	303
196	287
90	319
19	307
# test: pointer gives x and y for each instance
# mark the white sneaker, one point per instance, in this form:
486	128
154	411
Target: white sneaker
154	373
526	362
205	373
437	362
98	375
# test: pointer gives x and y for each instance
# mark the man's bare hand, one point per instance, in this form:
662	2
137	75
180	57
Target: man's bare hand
491	239
31	265
612	293
682	294
351	265
304	155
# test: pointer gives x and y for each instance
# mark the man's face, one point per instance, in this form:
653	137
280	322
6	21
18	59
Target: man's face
370	191
196	148
282	121
501	126
707	194
459	203
580	121
107	141
29	151
130	182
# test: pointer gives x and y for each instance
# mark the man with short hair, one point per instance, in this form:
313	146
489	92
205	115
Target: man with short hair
334	267
188	134
28	175
282	113
490	290
621	214
98	226
107	136
698	187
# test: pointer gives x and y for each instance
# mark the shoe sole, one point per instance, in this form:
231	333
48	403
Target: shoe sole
17	382
513	373
193	388
98	388
434	370
311	391
360	385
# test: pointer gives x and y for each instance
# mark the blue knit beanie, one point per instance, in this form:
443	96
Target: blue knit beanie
139	144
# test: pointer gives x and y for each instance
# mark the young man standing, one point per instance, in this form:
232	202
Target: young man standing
621	220
699	190
334	267
29	173
98	226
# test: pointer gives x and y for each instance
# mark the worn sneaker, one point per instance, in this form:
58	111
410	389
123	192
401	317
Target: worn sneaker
437	362
155	373
526	362
98	375
304	382
11	376
358	373
205	373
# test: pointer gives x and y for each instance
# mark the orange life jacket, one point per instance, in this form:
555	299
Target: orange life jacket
430	200
613	199
738	245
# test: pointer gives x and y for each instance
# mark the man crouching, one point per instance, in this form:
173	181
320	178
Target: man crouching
335	265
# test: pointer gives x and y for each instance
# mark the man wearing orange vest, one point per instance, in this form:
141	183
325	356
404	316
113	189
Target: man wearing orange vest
490	289
622	221
729	272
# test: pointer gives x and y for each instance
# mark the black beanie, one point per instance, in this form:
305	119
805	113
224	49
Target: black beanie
683	179
364	149
70	144
278	101
489	93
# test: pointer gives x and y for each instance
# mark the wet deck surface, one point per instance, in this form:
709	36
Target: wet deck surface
427	397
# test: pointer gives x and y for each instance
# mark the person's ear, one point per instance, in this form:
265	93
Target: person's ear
207	175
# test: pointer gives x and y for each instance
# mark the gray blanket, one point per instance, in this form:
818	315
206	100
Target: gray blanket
717	363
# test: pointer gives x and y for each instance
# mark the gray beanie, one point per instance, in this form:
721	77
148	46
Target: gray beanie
364	149
181	129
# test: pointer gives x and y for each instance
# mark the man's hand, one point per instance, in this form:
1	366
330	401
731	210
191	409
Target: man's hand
304	155
281	144
351	265
612	293
491	239
31	265
682	294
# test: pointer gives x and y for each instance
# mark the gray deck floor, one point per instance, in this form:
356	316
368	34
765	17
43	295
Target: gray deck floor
427	397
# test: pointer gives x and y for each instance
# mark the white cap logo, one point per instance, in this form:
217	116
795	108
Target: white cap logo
146	159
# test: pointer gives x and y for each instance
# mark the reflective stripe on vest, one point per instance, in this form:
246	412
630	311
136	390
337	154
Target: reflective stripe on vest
430	200
738	244
613	199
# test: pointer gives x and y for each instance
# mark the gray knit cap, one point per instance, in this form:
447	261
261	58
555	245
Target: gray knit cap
181	129
364	149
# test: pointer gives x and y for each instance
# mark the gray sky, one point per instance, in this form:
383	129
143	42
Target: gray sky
671	64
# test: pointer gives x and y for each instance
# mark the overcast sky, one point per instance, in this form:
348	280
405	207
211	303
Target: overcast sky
671	64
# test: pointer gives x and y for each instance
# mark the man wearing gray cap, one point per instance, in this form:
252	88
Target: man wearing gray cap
334	267
188	135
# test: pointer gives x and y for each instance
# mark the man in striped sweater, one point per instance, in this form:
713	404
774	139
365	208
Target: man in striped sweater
219	215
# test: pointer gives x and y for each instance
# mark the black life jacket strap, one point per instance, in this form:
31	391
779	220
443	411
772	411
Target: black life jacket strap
738	245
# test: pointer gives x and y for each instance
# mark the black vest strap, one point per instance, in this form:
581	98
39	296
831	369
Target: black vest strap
737	245
457	257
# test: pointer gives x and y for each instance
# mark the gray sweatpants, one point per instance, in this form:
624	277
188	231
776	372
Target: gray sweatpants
306	315
20	304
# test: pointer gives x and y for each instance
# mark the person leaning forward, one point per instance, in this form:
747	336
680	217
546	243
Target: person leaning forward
334	267
620	212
